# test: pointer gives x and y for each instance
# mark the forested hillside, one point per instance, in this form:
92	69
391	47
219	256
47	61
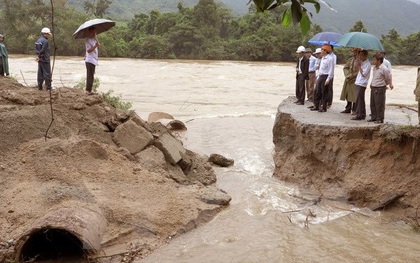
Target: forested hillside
207	30
379	16
126	9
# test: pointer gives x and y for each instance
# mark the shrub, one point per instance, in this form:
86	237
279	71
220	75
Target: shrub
113	100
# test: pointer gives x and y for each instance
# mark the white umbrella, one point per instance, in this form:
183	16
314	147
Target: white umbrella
101	25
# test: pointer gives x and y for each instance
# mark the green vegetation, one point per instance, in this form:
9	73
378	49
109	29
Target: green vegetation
207	30
82	84
113	100
116	101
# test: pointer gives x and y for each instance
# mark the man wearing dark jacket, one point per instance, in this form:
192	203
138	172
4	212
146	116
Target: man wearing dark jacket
43	58
4	63
302	68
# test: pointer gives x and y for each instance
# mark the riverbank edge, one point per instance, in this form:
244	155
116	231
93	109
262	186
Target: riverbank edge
373	166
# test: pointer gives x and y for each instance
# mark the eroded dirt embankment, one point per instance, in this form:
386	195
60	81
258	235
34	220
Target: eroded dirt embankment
106	180
366	164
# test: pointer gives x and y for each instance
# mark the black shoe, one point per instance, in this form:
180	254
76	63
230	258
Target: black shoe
300	103
345	111
314	109
322	110
311	107
371	120
357	119
379	121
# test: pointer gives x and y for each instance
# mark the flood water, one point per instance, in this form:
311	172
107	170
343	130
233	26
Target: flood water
229	108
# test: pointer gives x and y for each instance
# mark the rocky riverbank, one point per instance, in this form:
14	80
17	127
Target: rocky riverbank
81	179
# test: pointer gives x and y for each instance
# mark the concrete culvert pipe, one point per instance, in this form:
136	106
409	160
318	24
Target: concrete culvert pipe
65	235
49	244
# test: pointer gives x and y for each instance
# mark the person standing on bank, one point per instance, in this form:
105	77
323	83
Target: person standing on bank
43	58
362	80
331	86
325	75
91	58
310	83
417	90
4	58
386	62
380	78
302	68
348	92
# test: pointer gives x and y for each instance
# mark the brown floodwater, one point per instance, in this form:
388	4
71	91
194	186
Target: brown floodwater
229	108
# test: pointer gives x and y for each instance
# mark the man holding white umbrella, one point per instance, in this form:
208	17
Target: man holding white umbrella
89	31
91	58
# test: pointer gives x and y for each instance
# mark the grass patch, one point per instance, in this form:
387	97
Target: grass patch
116	100
109	96
399	133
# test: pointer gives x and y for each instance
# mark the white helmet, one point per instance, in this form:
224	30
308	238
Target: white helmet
300	49
317	51
46	30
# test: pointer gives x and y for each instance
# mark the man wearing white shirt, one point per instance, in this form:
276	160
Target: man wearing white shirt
380	78
361	82
331	92
91	58
325	75
386	62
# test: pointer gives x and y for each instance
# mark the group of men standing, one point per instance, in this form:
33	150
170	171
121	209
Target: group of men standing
315	75
357	72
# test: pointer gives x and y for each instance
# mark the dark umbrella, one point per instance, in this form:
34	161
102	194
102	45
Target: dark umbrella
101	25
360	40
325	38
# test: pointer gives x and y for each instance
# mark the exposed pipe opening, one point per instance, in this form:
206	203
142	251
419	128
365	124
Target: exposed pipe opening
48	244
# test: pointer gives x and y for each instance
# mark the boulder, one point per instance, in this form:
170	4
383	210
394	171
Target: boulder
132	136
211	195
220	160
171	147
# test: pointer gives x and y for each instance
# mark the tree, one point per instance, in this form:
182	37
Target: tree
392	45
409	49
165	23
138	25
97	8
186	40
154	47
207	19
151	24
358	27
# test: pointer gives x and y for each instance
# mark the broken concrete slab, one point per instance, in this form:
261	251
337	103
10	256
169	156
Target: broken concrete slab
132	136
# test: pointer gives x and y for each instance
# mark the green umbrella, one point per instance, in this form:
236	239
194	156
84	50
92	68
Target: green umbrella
360	40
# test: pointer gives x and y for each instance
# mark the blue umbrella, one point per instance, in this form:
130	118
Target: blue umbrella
325	38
